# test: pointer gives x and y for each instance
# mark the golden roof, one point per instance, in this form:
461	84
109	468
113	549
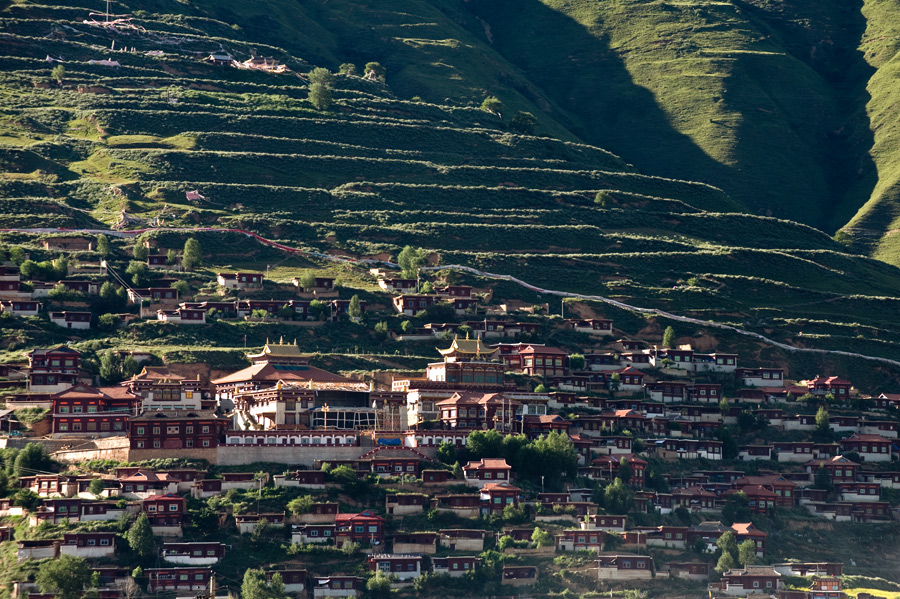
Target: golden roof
280	350
469	347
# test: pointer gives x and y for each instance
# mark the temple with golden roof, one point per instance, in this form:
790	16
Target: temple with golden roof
467	361
280	353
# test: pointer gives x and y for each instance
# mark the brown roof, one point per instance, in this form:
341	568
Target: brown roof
266	372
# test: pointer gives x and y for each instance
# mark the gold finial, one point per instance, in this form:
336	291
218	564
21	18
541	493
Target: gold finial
281	341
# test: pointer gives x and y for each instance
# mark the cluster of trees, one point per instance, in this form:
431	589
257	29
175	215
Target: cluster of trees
114	369
731	554
551	456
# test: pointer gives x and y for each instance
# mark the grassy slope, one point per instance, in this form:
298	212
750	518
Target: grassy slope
376	173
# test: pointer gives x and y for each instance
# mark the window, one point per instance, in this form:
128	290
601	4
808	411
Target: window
205	429
172	430
173	507
205	442
156	445
189	430
189	443
63	409
140	430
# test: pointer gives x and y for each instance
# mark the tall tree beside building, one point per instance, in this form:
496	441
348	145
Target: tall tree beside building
192	257
140	537
668	339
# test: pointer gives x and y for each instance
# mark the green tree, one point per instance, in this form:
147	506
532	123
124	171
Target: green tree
378	586
255	586
411	260
108	321
319	96
447	453
727	543
139	251
130	367
307	280
318	309
747	553
58	72
407	326
140	537
668	339
32	459
110	367
624	473
375	72
27	499
97	487
725	563
103	245
348	69
615	382
17	255
67	576
541	388
505	542
322	76
192	255
140	274
354	309
602	199
618	497
300	505
171	257
576	362
823	426
427	287
524	123
541	538
381	331
493	105
182	288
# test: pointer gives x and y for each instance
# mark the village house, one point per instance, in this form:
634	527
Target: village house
176	429
154	295
247	523
71	320
401	504
592	326
404	567
84	410
21	307
69	244
748	580
760	377
625	567
462	539
37	549
580	540
455	566
415	542
240	280
166	514
203	553
303	534
89	545
871	448
366	528
518	576
495	497
177	579
487	470
80	286
464	506
52	370
182	316
697	571
412	304
338	586
398	285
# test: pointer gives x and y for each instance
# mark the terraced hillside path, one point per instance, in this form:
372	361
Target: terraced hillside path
479	273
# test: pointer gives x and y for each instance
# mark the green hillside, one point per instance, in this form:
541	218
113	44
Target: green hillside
379	170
